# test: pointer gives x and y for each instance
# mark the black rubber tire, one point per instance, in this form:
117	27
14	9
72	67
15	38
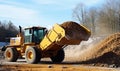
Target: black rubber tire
59	57
36	55
11	54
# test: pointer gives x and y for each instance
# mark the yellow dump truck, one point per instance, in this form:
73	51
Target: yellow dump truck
37	43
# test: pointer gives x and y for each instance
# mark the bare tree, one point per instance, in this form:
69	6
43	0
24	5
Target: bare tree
92	16
109	15
79	13
85	17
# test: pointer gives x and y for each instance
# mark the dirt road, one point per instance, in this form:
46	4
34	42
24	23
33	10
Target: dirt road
21	65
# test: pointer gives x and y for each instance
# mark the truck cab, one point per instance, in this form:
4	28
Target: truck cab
34	34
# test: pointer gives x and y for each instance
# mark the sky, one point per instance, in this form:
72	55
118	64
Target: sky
43	13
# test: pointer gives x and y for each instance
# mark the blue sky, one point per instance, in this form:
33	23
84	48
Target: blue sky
40	12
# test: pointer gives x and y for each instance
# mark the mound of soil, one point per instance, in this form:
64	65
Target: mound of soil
106	53
109	59
109	44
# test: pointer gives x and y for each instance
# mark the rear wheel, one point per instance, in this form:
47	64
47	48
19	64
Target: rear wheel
11	54
59	57
32	55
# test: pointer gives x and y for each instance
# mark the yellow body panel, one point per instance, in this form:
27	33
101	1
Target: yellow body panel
54	35
15	41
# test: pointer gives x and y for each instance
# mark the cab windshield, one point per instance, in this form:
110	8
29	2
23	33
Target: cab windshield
38	35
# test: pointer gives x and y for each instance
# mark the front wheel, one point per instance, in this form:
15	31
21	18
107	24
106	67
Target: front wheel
32	55
59	56
11	54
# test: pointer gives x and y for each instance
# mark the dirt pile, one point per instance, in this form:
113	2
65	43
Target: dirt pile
75	30
106	53
109	44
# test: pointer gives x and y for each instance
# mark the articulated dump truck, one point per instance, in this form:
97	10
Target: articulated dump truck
37	43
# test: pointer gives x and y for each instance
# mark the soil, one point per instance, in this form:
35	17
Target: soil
75	30
105	54
52	67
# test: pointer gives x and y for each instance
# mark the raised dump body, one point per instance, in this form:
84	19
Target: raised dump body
68	33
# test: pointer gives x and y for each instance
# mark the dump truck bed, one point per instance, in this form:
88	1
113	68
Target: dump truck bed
68	33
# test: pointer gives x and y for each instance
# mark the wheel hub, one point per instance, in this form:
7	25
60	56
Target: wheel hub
8	54
30	55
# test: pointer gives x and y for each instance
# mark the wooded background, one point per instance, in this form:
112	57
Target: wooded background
101	20
7	30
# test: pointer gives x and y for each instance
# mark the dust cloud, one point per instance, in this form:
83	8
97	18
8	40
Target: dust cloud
73	52
96	51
